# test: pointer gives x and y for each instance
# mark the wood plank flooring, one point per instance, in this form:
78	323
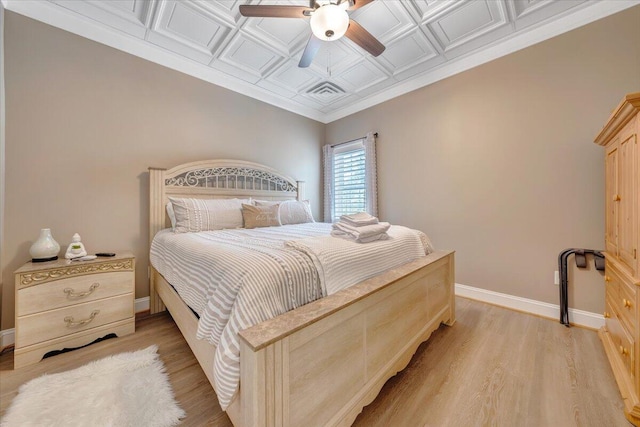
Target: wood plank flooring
494	367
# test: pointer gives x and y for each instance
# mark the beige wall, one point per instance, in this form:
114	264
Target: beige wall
2	156
84	122
498	162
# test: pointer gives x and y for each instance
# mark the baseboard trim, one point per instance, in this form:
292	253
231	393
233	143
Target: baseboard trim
552	311
8	336
142	304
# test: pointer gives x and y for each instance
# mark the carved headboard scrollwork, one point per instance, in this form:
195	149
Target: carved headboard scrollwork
244	178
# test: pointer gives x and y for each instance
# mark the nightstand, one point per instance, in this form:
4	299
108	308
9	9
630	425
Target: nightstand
67	304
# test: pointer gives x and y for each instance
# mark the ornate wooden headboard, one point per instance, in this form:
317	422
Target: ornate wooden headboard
213	179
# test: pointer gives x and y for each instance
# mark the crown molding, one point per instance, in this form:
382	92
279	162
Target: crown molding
57	16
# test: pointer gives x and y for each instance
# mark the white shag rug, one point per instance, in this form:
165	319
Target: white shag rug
127	389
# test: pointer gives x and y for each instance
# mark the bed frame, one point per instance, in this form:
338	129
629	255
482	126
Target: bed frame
322	363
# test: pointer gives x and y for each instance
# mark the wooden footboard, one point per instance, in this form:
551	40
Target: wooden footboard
324	362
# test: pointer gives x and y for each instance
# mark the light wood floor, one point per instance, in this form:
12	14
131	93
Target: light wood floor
500	368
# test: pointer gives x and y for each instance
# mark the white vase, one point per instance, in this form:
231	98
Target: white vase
45	248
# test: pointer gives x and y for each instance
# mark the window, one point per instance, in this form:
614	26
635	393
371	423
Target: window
349	186
349	178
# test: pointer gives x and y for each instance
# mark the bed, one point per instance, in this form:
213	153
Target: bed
321	363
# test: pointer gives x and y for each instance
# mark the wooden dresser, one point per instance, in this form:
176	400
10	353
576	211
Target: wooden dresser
64	304
620	335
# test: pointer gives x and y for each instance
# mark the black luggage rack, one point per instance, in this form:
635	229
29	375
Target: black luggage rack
581	262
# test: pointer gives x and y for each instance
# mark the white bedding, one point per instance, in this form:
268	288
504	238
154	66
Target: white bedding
234	279
342	262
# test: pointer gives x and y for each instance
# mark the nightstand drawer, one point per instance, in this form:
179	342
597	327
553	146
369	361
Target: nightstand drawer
74	290
52	324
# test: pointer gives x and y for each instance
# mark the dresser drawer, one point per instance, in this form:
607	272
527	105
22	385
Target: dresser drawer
623	342
52	324
74	290
612	282
618	275
627	308
621	293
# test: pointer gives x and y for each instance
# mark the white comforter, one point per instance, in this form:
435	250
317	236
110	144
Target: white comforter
234	279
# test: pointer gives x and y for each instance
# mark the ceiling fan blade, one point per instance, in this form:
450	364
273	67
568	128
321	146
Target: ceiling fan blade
364	39
357	4
310	51
273	11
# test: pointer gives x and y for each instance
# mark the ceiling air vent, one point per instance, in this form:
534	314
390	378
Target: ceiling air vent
326	91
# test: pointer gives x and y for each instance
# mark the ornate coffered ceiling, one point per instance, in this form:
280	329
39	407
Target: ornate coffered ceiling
426	40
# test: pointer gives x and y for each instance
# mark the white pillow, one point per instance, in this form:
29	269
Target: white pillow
193	215
172	215
291	211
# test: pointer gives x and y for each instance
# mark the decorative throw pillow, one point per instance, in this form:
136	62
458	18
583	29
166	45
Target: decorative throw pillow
193	215
291	211
260	216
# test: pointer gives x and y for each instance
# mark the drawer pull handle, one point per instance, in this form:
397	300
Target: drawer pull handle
606	315
616	198
623	351
72	323
626	302
607	278
72	294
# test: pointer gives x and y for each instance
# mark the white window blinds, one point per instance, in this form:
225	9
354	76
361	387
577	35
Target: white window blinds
350	178
349	185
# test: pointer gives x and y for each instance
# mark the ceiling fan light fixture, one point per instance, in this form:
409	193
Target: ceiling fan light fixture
329	22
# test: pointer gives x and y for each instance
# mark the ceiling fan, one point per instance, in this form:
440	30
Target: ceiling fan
329	21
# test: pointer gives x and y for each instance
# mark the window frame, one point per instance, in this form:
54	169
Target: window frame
353	146
370	168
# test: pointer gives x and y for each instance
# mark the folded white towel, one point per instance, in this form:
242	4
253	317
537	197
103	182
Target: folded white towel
359	219
362	232
343	235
